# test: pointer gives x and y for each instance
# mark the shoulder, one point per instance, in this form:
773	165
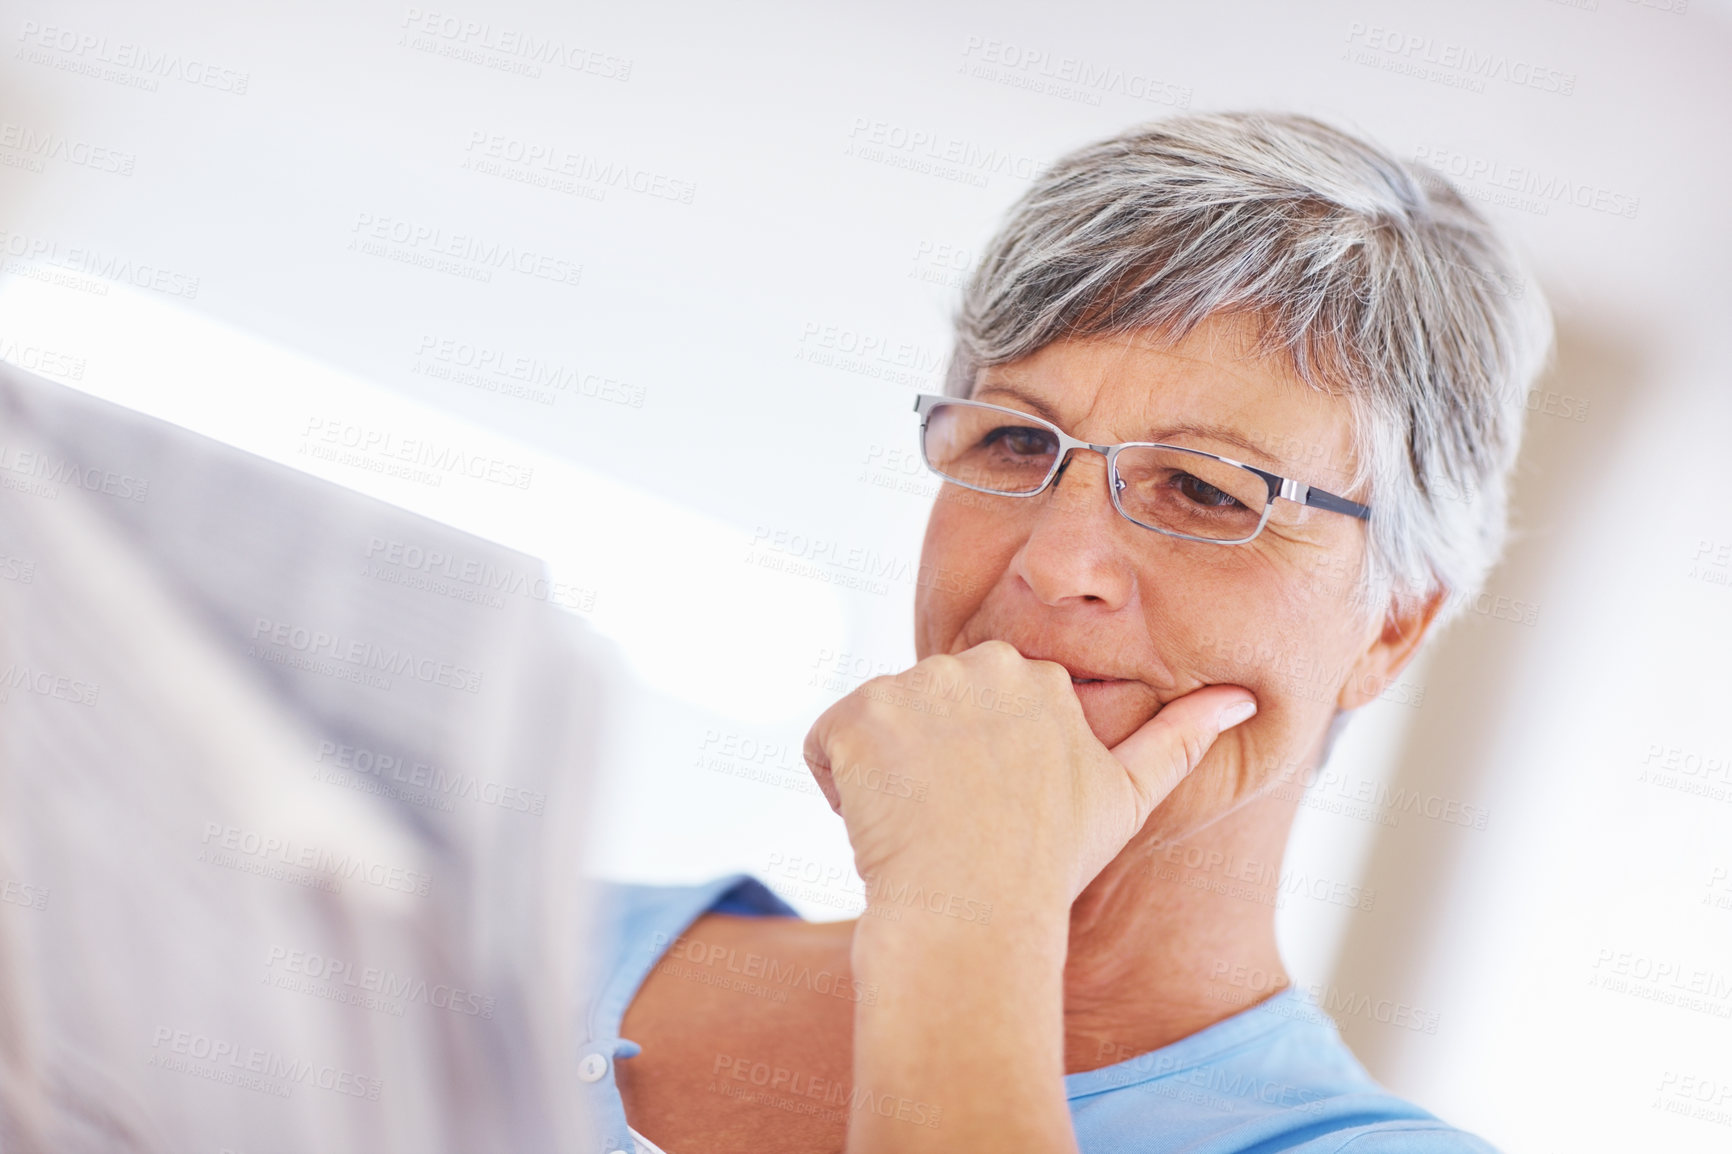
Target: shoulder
631	926
632	921
622	908
740	1018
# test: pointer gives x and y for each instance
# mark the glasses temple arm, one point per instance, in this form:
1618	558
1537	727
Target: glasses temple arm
1280	486
1317	498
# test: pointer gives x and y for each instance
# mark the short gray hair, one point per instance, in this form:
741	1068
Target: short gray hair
1376	278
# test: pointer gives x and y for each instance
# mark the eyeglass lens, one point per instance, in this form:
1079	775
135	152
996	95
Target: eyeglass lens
1170	489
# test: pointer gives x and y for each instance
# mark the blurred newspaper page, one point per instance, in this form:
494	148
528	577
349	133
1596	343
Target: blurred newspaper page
292	794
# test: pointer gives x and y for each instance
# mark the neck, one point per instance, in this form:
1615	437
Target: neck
1174	936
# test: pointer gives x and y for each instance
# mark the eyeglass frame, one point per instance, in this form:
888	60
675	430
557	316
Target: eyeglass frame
1279	486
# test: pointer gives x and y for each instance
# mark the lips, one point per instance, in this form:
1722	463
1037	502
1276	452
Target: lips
1079	682
1079	674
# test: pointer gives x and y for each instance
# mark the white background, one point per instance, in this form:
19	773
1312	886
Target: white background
772	207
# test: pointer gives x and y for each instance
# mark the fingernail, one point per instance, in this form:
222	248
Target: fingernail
1234	714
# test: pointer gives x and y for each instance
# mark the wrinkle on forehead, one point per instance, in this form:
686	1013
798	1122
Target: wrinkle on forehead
1216	377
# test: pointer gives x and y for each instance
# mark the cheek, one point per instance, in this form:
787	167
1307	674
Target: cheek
1283	652
1261	624
1292	672
964	554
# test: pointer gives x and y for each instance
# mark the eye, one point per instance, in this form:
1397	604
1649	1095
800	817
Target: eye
1203	493
1021	440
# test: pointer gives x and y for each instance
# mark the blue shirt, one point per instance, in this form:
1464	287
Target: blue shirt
1274	1077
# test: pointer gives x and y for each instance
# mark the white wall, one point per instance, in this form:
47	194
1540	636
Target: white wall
771	210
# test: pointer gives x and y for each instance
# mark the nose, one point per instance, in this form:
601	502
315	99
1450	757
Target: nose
1075	550
1071	456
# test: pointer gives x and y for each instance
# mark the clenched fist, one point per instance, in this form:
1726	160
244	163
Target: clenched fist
976	774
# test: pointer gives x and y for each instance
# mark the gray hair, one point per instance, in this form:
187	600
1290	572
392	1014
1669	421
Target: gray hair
1377	279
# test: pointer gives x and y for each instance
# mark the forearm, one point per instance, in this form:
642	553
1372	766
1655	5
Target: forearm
968	1026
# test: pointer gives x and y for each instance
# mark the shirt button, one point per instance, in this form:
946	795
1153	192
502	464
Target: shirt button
592	1067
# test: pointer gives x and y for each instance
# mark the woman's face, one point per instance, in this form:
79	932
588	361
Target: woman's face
1063	577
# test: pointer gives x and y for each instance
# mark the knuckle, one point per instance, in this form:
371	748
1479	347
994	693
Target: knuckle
938	666
1195	746
871	689
842	714
840	752
1183	754
874	700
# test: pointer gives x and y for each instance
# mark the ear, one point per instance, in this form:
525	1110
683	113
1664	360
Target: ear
1389	651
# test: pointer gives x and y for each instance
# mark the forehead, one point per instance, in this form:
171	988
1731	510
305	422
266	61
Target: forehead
1210	390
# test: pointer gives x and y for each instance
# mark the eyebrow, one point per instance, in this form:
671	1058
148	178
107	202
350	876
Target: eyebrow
1216	432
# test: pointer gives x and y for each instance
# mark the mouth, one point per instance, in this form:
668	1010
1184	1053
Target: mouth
1082	678
1088	685
1080	675
1089	679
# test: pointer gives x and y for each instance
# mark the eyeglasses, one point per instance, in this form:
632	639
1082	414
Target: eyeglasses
1168	488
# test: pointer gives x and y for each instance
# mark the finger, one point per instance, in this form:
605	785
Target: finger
818	757
1172	743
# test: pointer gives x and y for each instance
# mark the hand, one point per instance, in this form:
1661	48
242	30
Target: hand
976	775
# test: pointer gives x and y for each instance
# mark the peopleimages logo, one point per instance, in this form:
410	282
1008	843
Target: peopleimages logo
1460	65
220	839
122	61
16	678
814	555
498	45
363	655
481	575
927	150
336	979
38	145
491	368
340	440
44	361
252	1067
84	260
1066	77
53	470
419	775
500	155
412	242
1544	188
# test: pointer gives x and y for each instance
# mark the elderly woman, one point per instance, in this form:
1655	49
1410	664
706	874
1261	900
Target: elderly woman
1227	427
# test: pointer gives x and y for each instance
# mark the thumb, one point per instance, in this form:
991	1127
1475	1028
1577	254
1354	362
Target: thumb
1172	742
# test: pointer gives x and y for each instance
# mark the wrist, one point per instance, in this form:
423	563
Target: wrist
914	894
968	1020
976	932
